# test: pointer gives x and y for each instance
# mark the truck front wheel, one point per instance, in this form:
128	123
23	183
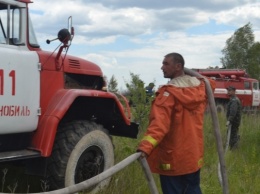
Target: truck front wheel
81	151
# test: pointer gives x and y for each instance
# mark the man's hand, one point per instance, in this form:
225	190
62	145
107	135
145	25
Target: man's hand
143	154
227	123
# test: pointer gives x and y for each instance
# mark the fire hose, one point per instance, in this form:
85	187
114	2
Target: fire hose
228	137
221	166
226	149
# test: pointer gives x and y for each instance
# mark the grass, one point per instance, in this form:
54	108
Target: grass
242	164
14	180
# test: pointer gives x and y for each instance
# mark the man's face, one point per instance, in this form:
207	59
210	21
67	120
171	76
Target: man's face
170	68
230	92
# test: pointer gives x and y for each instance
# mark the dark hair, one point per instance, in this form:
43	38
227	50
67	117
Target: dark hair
231	88
151	84
177	58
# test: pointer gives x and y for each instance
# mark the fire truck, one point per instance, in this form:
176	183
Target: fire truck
247	89
56	116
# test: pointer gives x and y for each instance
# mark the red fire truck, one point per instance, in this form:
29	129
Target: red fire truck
247	89
56	116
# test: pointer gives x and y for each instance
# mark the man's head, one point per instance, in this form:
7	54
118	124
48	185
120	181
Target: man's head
231	91
151	85
173	65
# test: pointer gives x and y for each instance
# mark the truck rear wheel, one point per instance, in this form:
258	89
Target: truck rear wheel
82	150
220	108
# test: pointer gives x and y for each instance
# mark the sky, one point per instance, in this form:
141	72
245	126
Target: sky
129	36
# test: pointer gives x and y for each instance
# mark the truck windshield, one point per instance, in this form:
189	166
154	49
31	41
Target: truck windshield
10	25
32	38
13	26
255	86
2	32
247	85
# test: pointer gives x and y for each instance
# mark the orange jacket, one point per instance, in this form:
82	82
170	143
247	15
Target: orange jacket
174	138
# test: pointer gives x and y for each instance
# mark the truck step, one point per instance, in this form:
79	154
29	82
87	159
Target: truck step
18	155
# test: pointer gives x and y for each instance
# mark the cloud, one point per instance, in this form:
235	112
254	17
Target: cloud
131	18
214	5
240	15
199	52
133	36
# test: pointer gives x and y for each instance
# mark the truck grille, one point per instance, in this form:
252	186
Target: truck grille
78	81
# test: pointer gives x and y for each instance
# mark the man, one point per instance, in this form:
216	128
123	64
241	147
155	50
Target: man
173	142
233	116
149	89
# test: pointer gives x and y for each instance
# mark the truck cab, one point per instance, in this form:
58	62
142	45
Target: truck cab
19	73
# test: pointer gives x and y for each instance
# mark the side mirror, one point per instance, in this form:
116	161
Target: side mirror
64	36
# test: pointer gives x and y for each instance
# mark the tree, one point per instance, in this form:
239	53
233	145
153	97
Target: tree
112	84
139	101
237	48
135	90
254	61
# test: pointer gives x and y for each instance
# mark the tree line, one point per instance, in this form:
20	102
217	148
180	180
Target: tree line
242	52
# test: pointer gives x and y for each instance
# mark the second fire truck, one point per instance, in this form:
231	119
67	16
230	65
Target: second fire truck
247	89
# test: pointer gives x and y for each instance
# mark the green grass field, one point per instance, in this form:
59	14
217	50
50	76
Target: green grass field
242	164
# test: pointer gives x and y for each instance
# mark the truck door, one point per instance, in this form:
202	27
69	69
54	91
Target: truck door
256	96
19	75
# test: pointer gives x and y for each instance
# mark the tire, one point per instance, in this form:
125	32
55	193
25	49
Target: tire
220	108
82	150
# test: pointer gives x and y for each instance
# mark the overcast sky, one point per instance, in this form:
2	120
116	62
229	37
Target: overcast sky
124	36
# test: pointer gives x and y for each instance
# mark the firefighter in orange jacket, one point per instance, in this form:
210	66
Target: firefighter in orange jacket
173	142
